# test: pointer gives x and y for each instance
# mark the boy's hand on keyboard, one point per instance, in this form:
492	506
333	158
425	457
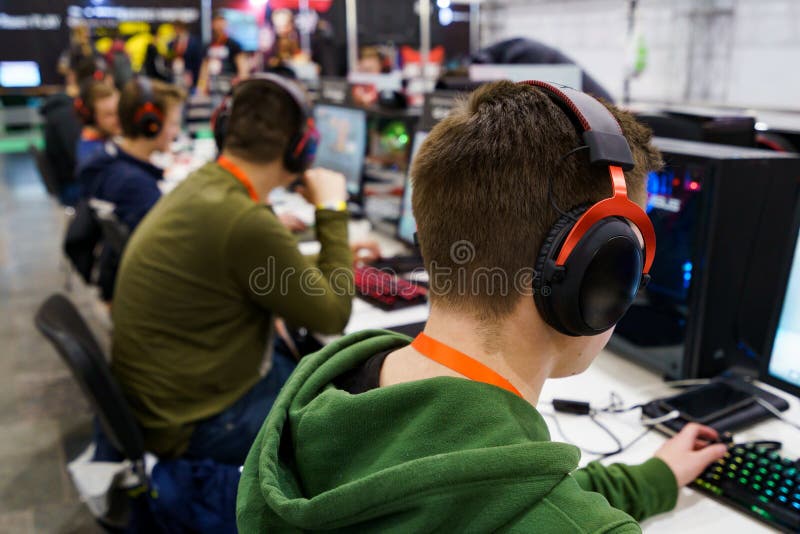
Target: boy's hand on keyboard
690	451
365	251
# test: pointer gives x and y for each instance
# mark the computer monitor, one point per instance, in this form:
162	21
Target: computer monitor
20	74
781	367
343	143
406	225
242	27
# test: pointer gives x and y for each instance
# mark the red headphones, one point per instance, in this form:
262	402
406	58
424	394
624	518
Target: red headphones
591	265
302	147
85	113
149	117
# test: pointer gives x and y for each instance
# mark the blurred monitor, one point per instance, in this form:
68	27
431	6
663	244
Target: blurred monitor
343	142
569	75
783	358
306	71
392	81
20	74
243	28
406	226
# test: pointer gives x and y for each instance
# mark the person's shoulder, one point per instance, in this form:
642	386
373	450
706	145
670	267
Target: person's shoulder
578	510
100	160
233	44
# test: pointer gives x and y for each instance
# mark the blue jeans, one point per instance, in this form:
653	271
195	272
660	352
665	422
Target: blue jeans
227	436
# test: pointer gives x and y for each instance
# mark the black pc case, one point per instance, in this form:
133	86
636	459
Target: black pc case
721	215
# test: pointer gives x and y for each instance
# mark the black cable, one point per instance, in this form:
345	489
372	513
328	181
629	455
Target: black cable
629	445
550	182
587	451
620	447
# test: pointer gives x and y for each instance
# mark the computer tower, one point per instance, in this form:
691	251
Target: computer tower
721	214
701	124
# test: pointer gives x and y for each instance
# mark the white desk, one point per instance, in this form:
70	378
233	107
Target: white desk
694	513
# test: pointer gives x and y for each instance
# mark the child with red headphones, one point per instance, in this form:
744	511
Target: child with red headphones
529	207
96	106
211	267
121	172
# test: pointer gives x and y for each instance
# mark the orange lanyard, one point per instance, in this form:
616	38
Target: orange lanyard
237	173
460	362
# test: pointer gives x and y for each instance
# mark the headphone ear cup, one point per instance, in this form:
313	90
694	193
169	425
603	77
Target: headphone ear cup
219	125
598	282
302	149
542	292
150	125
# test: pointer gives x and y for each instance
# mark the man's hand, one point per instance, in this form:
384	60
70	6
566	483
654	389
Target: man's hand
690	451
365	251
322	187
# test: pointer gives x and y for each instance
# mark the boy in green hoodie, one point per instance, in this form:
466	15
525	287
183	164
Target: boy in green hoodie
376	434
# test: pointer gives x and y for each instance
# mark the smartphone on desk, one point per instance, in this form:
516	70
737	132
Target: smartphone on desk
707	403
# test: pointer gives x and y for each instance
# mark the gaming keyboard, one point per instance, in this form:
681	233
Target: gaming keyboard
386	290
756	479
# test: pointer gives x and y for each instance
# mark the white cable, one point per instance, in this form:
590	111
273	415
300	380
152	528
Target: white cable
674	414
774	411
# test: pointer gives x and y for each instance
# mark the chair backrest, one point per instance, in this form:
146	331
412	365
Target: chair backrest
115	232
61	323
45	171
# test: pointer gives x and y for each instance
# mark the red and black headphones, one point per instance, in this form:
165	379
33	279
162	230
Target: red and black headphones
302	147
149	117
591	265
84	111
82	105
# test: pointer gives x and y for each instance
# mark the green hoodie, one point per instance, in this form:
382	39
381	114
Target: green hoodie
442	454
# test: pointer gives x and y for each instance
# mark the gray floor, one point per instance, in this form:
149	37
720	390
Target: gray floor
44	420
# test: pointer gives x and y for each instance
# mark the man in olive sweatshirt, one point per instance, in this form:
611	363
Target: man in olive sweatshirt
206	273
376	434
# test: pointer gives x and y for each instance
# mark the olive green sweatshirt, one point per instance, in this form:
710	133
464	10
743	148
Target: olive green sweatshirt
199	283
436	455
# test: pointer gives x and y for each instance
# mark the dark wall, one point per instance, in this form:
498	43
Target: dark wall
381	21
38	30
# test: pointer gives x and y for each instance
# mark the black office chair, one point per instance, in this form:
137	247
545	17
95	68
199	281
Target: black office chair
45	171
61	323
53	189
115	232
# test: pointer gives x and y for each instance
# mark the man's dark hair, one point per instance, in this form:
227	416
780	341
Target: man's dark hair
263	119
481	177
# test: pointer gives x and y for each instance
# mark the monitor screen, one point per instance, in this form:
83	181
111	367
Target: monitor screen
243	28
406	226
343	142
20	74
784	362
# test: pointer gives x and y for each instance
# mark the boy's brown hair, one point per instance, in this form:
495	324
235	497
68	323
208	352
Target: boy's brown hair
264	118
165	96
480	191
91	92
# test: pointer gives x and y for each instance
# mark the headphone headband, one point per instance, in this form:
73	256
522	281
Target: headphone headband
590	265
598	127
302	147
294	91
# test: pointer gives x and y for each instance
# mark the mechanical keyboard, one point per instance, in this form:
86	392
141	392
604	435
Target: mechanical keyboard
756	479
386	290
